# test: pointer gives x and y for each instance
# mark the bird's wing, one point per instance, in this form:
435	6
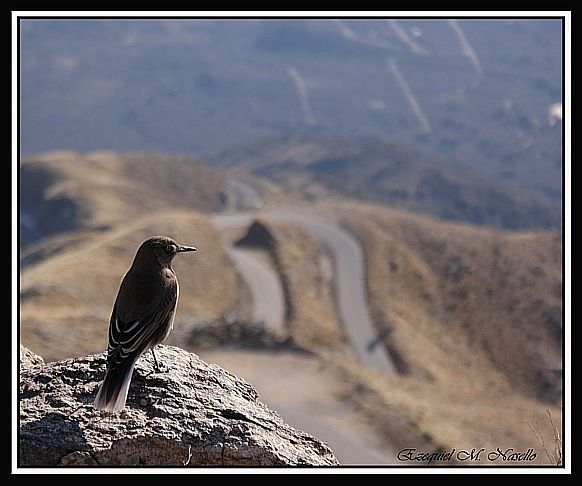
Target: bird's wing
132	338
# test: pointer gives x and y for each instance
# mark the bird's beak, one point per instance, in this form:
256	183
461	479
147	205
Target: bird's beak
186	248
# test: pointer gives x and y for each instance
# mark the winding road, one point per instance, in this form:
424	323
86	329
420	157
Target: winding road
265	287
349	273
349	282
262	281
269	307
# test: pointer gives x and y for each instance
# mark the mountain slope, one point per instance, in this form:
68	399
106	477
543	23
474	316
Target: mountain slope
483	92
66	300
83	217
393	175
463	304
66	191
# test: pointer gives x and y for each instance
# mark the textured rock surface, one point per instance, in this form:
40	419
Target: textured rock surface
28	358
190	415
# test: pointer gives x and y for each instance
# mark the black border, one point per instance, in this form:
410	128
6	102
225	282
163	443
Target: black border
192	469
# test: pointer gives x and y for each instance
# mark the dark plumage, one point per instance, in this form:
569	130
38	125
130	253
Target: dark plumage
142	317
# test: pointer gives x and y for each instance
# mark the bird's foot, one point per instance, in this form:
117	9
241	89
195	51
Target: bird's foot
158	368
161	368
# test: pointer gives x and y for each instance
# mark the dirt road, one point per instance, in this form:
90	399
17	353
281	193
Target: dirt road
349	278
305	395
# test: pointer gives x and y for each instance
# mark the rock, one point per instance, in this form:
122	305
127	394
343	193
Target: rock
28	358
258	236
78	458
193	414
239	334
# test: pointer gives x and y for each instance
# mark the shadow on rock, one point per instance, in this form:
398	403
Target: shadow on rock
47	440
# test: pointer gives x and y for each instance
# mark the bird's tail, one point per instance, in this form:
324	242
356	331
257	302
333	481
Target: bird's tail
113	392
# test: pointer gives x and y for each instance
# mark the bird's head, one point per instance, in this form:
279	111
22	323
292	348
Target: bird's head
160	250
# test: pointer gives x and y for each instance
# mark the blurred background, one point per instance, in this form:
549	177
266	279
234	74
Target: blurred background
377	205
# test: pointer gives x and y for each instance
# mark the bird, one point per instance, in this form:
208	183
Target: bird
142	316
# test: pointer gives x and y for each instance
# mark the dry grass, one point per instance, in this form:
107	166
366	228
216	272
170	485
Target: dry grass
469	315
64	312
473	316
554	456
71	279
478	307
306	275
429	415
111	188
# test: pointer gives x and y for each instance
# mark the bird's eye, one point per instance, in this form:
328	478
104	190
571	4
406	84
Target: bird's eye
170	248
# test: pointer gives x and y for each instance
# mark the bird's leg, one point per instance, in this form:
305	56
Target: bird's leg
158	367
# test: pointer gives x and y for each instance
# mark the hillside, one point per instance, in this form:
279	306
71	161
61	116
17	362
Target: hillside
472	317
64	313
479	91
391	174
68	191
85	215
306	271
458	303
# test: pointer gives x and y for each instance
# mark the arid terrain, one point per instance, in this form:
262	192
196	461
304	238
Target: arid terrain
469	316
118	201
480	298
392	174
464	312
473	319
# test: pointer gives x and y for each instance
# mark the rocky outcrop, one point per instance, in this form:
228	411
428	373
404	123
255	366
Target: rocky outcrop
28	358
257	236
190	414
240	334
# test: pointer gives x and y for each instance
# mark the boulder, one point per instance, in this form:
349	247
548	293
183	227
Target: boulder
190	414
